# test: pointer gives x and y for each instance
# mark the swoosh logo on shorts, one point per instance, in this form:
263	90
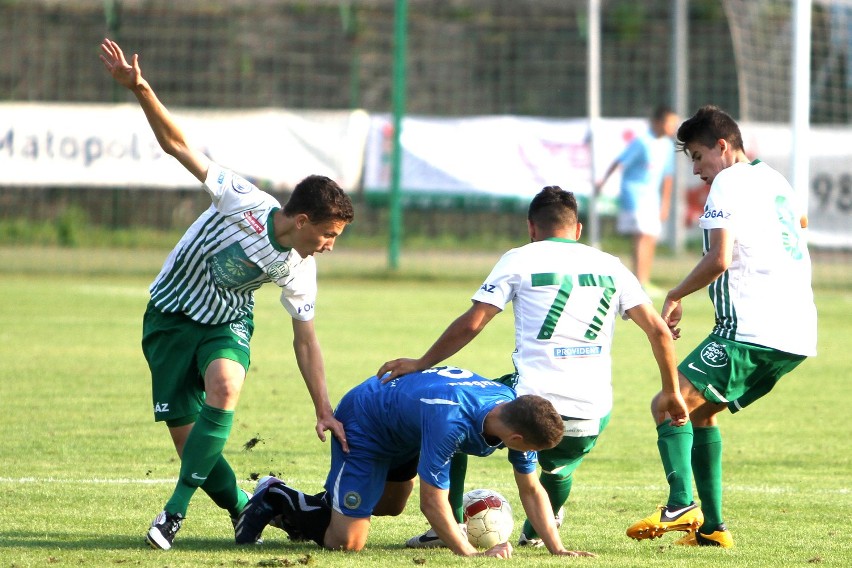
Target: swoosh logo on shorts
694	368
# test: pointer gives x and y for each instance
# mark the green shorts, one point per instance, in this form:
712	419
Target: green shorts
178	351
735	373
580	437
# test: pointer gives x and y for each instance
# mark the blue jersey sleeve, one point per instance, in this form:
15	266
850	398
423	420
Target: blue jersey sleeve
523	462
634	152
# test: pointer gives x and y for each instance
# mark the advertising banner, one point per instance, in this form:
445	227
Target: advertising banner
113	146
508	157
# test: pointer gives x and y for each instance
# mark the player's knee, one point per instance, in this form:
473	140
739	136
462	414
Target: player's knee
347	534
346	542
655	403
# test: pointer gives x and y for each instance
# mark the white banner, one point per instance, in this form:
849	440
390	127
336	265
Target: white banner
505	157
112	145
514	157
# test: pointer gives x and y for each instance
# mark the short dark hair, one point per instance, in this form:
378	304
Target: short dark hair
534	418
321	199
661	112
552	208
708	125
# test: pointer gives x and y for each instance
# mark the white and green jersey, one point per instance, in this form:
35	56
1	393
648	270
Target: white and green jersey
565	298
765	295
228	253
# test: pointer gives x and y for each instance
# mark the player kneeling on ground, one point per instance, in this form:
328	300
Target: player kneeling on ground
413	427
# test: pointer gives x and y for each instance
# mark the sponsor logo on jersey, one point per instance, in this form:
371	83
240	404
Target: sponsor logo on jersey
488	287
230	267
255	224
714	213
714	355
240	185
221	178
580	428
352	500
278	270
578	351
239	329
161	407
483	384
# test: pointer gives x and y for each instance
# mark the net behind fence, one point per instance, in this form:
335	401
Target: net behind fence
465	58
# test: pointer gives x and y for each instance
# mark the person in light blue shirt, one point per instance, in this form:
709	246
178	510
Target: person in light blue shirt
413	426
647	167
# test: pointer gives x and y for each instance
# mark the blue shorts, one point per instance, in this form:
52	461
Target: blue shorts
356	481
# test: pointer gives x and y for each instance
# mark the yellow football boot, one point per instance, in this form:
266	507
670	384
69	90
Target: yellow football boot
663	520
720	537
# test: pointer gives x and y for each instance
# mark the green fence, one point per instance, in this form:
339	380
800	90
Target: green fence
464	57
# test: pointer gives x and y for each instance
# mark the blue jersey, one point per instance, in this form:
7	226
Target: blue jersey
646	161
436	412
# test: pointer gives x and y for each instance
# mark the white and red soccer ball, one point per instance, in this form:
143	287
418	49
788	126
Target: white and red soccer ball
488	517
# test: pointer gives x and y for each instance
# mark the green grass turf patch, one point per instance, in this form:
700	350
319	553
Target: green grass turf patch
83	468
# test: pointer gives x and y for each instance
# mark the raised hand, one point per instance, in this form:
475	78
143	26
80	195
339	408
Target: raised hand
124	73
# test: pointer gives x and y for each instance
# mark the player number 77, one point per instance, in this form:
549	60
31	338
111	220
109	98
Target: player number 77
566	284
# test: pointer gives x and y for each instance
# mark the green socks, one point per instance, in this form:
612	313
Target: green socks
707	469
675	445
202	451
221	486
458	469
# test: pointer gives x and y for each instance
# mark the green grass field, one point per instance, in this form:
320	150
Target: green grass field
83	468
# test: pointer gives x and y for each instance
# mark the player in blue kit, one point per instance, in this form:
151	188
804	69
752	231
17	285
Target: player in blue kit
647	165
409	427
566	297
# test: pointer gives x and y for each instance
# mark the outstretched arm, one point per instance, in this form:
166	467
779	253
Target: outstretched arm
609	171
457	335
539	512
662	344
309	358
169	135
436	509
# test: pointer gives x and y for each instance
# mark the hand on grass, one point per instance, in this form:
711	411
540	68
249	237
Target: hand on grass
501	551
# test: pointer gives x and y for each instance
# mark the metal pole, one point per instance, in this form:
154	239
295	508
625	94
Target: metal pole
680	84
349	21
801	91
594	109
112	18
398	96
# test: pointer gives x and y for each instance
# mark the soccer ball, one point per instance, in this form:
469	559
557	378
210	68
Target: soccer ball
488	517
